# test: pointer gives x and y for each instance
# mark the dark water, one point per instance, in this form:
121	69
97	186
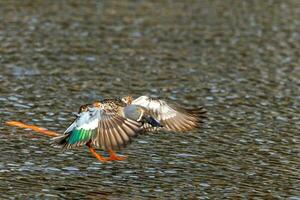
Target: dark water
238	58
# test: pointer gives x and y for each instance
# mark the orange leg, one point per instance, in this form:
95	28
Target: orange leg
92	150
32	127
114	156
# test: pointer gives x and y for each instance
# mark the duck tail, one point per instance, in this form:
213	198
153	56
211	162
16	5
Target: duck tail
152	121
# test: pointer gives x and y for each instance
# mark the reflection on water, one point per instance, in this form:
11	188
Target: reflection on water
239	59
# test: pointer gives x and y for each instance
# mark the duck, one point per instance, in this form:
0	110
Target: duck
111	124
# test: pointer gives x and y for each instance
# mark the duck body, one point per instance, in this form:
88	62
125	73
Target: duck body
131	111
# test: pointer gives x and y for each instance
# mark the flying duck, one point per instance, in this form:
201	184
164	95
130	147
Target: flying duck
111	124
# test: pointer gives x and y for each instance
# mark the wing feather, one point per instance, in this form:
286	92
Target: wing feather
125	138
114	131
172	117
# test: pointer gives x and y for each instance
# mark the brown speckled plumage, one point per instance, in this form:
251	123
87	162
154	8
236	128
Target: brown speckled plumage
110	105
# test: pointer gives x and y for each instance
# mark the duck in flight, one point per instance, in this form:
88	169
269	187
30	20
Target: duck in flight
111	124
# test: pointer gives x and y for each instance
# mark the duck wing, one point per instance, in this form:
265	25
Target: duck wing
105	130
114	131
172	117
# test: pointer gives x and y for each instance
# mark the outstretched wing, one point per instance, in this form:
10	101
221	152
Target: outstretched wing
104	130
172	117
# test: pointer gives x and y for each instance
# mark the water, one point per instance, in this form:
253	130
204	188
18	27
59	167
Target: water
239	59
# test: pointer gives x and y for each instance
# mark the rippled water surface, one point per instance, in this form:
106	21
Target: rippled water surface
238	58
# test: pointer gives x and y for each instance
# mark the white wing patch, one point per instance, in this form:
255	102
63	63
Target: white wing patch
86	120
93	124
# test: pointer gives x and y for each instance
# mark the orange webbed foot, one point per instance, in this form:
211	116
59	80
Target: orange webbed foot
101	159
114	156
97	156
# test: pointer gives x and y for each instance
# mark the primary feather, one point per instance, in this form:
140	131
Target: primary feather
171	117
